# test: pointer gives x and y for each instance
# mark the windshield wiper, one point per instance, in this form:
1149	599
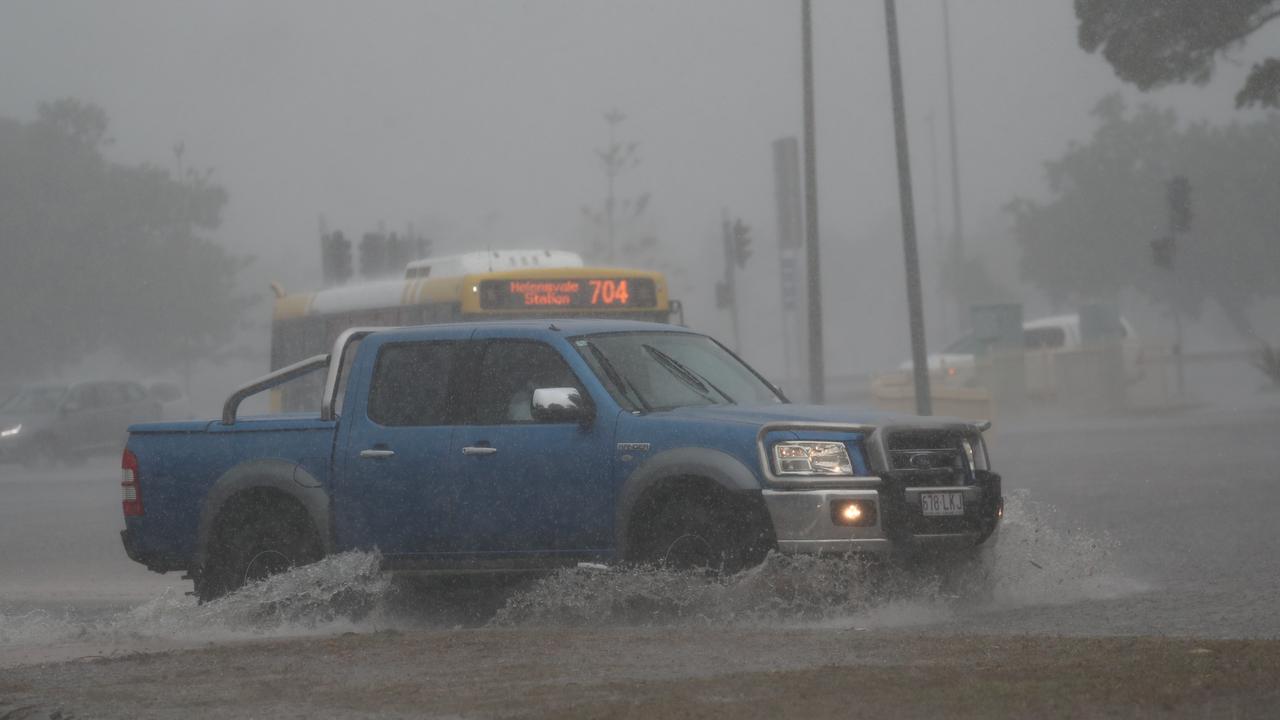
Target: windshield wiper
690	378
616	377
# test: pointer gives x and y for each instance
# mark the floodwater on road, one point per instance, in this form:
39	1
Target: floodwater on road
1151	526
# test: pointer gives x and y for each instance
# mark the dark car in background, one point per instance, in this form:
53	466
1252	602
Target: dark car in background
41	424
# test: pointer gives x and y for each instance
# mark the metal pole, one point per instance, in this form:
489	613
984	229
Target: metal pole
178	150
940	247
813	266
729	276
958	224
915	303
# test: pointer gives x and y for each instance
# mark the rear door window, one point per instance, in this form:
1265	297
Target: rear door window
411	383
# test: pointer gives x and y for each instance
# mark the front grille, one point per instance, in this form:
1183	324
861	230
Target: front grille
928	459
901	519
934	457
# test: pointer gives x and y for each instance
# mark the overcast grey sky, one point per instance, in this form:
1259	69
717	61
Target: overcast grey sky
479	119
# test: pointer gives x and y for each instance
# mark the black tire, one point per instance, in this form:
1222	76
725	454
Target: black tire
706	532
254	546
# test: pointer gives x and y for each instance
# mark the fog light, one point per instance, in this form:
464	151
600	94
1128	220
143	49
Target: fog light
853	513
1000	509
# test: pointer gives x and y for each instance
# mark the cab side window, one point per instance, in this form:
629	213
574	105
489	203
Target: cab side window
509	372
411	384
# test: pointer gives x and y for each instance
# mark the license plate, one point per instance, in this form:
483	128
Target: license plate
942	503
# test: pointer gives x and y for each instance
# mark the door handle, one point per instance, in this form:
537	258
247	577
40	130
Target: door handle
375	453
479	450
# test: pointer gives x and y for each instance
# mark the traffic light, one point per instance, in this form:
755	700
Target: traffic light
1162	251
741	242
335	258
1179	196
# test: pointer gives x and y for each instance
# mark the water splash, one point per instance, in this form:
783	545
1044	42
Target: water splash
1040	559
1032	562
783	588
1037	560
347	591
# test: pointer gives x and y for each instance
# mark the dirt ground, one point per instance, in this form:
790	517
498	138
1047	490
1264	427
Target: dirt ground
663	672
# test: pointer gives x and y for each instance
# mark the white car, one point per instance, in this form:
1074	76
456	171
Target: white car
1045	339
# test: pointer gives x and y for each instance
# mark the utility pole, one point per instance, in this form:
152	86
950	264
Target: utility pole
957	222
179	149
915	303
940	247
1178	194
813	264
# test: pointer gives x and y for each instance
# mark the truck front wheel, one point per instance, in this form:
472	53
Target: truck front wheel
253	546
701	528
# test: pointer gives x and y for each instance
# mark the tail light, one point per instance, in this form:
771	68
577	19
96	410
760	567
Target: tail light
131	492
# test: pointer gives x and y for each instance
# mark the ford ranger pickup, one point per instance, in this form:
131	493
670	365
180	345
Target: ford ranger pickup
526	446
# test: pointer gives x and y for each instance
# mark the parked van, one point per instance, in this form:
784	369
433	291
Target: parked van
1045	339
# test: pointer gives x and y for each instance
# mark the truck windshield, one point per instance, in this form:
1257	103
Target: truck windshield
663	370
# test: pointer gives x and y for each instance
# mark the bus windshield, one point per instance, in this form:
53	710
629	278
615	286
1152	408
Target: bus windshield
648	371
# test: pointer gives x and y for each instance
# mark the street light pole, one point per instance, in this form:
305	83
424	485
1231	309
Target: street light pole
813	265
915	302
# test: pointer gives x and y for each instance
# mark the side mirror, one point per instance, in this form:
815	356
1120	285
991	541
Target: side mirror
560	404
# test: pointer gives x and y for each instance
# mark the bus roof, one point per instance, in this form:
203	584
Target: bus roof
490	261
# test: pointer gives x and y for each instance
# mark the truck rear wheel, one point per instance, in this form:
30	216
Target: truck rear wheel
255	547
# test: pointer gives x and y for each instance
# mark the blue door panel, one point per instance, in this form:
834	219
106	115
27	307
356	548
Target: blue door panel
546	488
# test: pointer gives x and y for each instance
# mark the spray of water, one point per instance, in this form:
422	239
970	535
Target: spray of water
1035	561
347	591
1031	562
1040	559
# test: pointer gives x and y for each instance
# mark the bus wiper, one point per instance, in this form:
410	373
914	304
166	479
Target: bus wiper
615	377
691	378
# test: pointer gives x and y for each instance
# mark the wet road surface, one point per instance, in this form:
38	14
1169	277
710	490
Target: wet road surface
1154	526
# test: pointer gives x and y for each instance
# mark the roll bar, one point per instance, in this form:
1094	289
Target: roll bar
328	402
283	375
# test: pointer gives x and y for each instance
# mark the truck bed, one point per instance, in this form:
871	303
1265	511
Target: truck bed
179	463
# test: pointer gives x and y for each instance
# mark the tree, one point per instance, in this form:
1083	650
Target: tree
1152	43
617	225
1109	201
103	255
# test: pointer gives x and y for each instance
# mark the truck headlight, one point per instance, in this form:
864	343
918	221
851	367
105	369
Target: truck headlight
10	432
795	457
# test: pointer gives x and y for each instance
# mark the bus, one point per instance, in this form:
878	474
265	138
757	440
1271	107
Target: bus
484	285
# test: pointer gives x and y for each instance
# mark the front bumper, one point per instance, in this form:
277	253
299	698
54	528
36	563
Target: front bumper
803	524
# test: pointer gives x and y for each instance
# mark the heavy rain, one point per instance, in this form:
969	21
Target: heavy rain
601	358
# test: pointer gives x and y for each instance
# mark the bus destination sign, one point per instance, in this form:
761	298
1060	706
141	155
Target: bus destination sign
568	293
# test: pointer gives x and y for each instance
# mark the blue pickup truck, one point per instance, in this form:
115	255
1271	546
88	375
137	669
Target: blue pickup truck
525	446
